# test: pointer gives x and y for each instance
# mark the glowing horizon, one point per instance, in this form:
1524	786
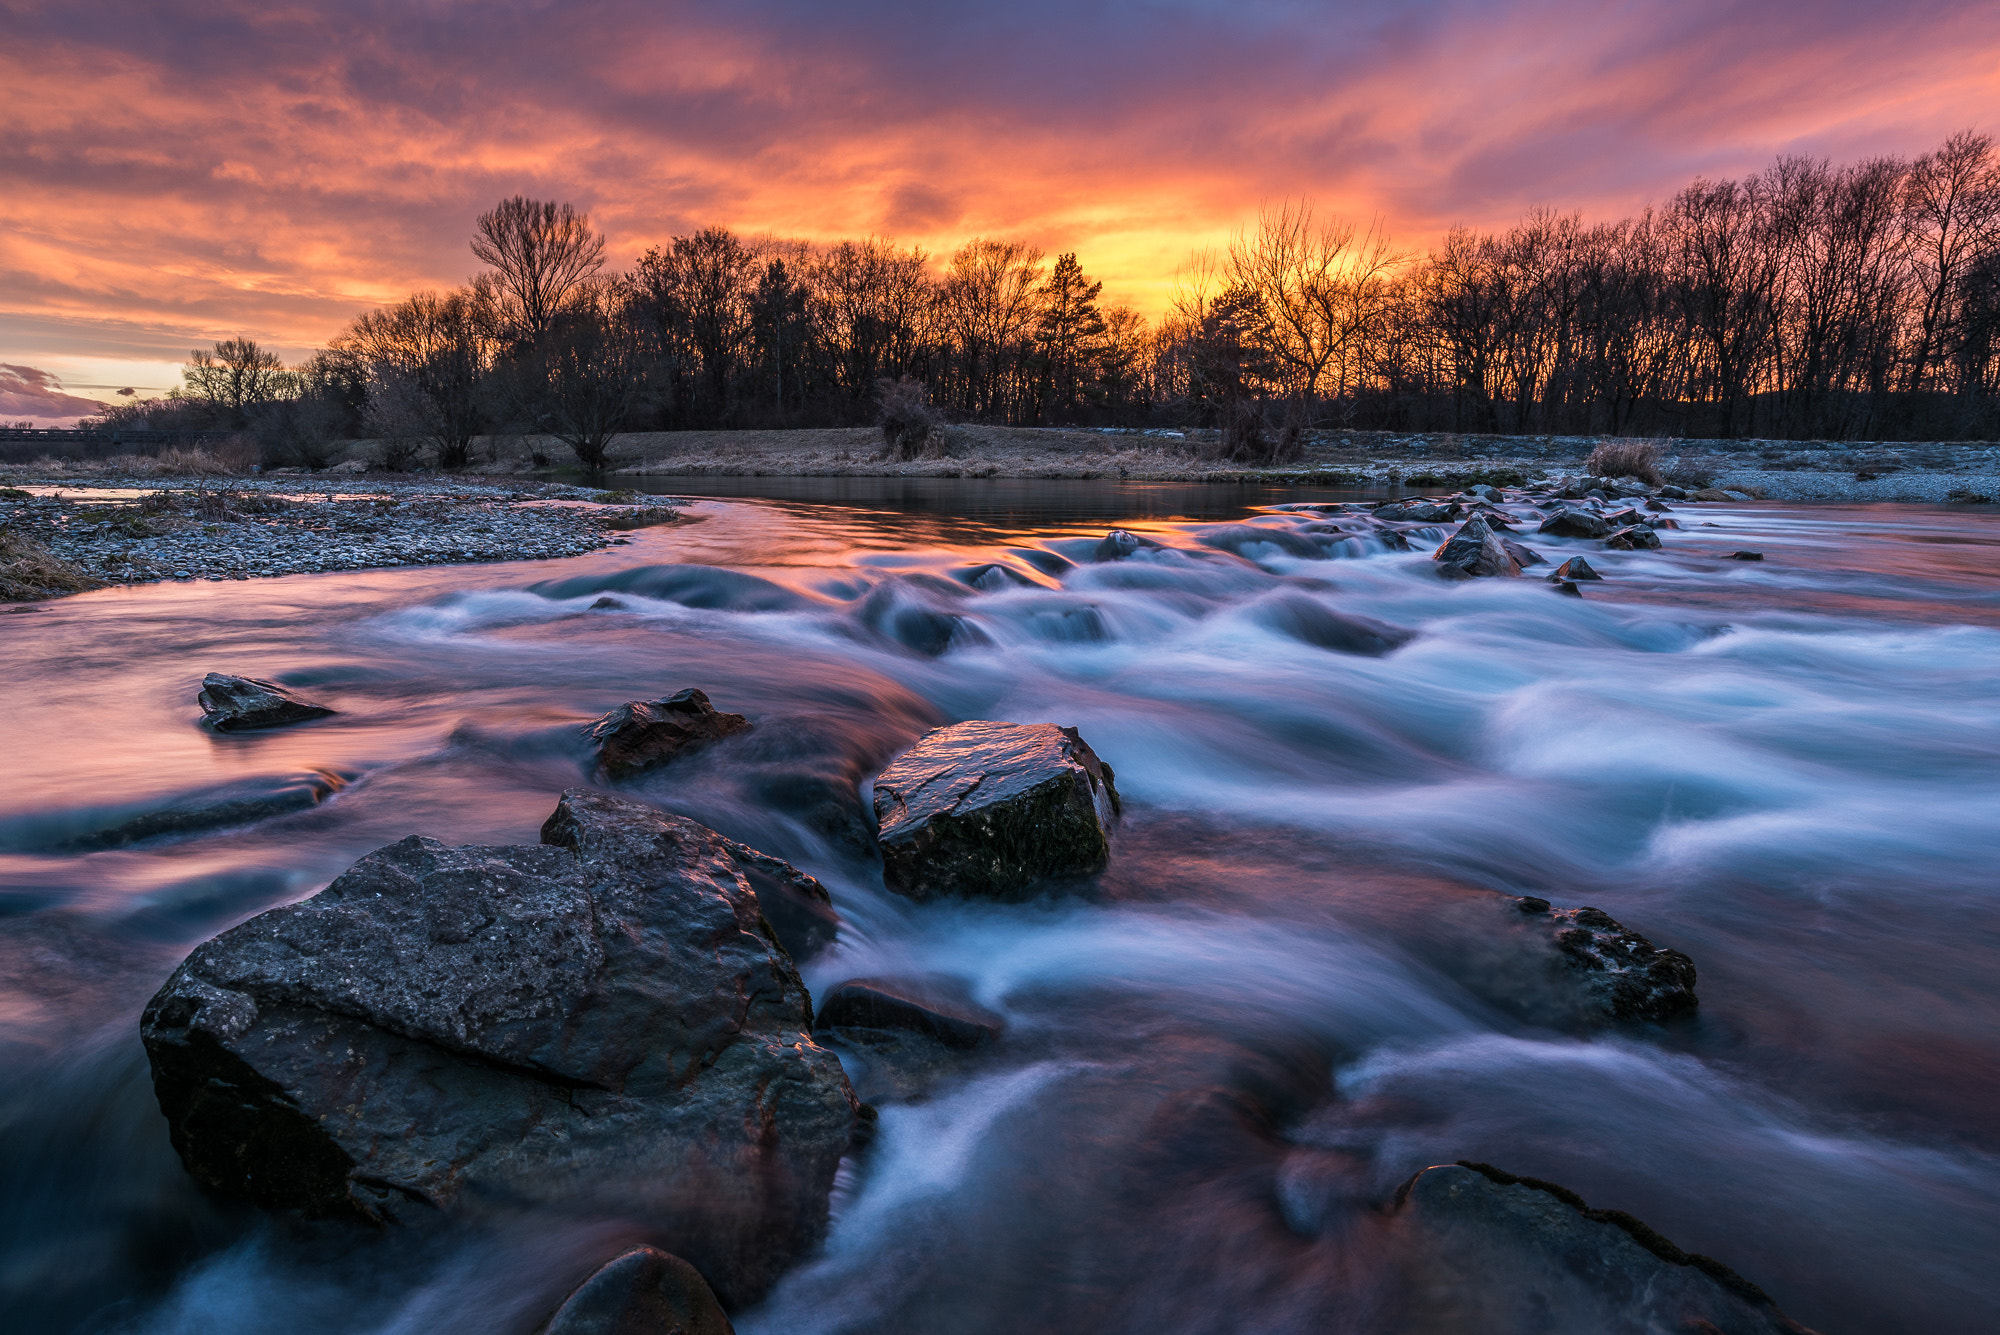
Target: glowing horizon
273	170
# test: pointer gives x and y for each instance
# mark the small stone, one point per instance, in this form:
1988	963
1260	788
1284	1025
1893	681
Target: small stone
1746	556
641	734
644	1292
1475	550
1574	523
1574	568
238	704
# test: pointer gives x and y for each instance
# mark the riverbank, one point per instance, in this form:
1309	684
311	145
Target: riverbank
1928	472
69	535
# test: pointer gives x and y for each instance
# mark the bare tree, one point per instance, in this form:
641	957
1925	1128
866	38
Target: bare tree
990	300
428	358
539	251
590	380
1951	212
235	377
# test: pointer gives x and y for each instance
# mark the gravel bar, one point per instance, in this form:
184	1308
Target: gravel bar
137	531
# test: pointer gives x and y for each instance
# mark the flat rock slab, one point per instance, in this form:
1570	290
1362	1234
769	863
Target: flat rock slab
600	1025
240	704
991	809
644	1292
1506	1255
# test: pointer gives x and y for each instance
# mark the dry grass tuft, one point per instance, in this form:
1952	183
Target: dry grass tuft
29	571
1626	458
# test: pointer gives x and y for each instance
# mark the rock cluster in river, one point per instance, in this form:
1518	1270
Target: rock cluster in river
602	1024
991	810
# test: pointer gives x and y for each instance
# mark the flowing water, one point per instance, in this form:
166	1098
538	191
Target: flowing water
1224	1053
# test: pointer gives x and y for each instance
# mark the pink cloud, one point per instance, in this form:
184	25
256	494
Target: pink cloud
27	392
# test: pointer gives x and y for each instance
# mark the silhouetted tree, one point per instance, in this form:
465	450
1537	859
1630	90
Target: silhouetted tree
539	251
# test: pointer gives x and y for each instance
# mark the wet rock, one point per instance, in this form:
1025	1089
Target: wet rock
1507	1255
1567	588
1663	523
1672	493
1624	517
1120	543
1474	550
640	734
238	704
1524	555
600	1026
798	908
1633	540
1746	556
1313	622
644	1292
990	809
1575	568
887	1005
607	604
1659	507
1621	975
1574	523
1484	492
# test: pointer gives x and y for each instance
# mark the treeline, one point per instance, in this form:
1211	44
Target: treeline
1809	301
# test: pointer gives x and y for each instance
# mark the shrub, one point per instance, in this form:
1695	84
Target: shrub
1626	458
29	570
910	426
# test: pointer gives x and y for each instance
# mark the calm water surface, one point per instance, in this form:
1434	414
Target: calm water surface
1225	1053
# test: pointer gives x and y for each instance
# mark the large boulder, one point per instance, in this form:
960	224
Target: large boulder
991	809
1475	550
240	704
600	1025
1507	1255
644	1292
1619	974
640	734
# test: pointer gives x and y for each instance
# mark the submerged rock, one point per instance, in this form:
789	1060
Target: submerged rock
641	734
239	704
1746	556
1623	975
1475	550
1313	622
601	1025
1507	1255
1524	555
888	1005
644	1292
1566	587
244	802
1574	523
990	809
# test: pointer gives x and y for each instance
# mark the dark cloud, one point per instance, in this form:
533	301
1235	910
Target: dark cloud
27	392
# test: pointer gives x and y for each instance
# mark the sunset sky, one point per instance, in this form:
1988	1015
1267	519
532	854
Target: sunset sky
171	173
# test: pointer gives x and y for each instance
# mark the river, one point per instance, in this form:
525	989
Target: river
1225	1053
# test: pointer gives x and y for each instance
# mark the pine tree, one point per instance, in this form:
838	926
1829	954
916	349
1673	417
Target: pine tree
1068	337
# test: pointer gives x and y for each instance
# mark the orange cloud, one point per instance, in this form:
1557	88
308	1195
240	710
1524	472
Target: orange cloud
173	174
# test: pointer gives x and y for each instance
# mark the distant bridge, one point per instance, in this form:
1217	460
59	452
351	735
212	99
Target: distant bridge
22	444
